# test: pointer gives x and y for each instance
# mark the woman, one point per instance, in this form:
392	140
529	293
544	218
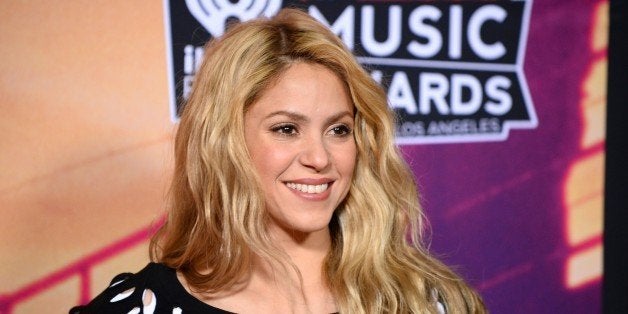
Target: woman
289	194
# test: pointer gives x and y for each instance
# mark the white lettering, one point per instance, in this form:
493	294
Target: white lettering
496	87
411	128
486	51
459	82
377	76
455	31
416	22
344	26
393	40
192	59
188	59
400	93
433	87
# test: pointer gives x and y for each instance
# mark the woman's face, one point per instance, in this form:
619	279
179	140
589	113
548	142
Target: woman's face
300	137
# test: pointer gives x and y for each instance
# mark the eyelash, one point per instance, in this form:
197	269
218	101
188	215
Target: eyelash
285	129
341	130
344	129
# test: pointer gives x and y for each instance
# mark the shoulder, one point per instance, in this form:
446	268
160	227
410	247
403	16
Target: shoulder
134	293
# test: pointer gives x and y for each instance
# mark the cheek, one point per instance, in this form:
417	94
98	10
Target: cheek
346	159
270	160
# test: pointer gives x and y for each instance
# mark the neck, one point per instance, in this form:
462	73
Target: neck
307	251
307	287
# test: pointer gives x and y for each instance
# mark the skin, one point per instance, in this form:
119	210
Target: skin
298	132
299	136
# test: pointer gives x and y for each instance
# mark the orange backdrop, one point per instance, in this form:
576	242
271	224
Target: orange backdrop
85	150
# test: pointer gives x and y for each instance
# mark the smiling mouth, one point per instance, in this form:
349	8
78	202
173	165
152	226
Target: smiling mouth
308	188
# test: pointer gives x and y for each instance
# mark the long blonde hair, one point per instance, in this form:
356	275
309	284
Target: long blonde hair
217	220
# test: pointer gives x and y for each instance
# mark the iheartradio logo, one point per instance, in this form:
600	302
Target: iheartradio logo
213	14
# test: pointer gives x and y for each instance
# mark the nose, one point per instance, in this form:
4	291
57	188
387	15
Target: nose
315	154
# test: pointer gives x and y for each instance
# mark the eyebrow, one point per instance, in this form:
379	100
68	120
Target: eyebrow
303	118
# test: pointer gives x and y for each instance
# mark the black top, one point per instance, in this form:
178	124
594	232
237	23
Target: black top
159	286
126	291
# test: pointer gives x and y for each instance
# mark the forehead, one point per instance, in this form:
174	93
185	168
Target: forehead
305	87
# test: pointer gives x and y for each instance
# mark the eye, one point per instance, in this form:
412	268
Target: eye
341	130
285	129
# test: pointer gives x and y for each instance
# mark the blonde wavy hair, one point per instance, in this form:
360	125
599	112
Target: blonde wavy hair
217	220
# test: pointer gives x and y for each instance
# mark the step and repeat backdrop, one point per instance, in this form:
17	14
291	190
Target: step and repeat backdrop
501	108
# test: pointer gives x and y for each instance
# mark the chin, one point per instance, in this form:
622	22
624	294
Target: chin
306	225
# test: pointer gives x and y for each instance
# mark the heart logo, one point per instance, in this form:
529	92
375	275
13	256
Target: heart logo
213	14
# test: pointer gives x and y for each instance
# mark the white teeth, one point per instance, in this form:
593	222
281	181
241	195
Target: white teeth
306	188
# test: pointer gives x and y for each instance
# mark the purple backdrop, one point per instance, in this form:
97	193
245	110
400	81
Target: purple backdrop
497	209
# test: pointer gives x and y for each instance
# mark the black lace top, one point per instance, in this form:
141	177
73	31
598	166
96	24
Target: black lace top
155	289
